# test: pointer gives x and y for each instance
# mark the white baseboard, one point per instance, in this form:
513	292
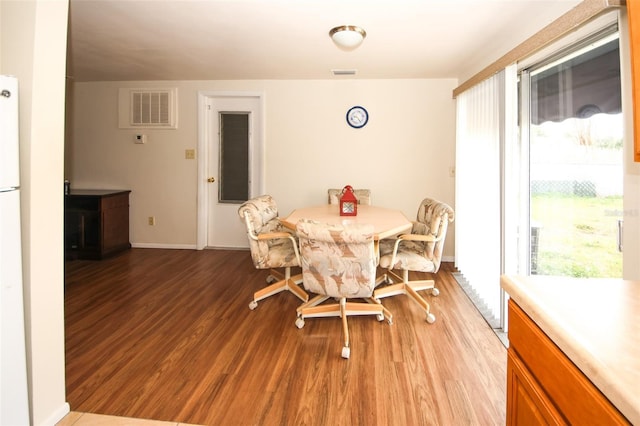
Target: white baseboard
164	246
193	247
181	246
57	415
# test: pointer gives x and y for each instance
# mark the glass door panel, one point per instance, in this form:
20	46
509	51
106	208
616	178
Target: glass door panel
576	170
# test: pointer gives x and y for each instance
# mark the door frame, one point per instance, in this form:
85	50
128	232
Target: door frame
256	155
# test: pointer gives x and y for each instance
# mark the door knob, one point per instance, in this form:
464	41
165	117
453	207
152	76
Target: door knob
211	180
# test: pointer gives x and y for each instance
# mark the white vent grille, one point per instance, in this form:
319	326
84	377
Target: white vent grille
150	108
154	108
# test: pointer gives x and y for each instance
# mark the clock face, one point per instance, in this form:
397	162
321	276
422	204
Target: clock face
348	207
357	117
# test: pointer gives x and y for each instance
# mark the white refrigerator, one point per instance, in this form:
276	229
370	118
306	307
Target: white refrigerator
14	400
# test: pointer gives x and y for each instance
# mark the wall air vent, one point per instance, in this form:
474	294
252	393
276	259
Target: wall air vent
344	72
148	108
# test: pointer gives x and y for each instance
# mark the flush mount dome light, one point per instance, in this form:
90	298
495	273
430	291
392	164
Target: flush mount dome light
347	37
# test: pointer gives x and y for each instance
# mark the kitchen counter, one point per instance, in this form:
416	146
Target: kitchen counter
596	323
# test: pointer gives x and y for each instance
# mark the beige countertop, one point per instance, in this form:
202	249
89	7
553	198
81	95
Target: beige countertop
596	323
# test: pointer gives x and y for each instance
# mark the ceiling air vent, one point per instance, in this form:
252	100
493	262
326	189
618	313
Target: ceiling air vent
343	72
148	108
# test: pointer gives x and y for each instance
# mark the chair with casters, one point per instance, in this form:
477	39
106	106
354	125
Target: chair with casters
337	262
272	247
362	195
419	251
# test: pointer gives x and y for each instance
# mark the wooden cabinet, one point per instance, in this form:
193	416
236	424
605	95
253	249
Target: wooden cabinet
544	386
633	15
96	223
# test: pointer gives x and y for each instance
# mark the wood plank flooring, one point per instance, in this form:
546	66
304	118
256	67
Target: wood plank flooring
168	335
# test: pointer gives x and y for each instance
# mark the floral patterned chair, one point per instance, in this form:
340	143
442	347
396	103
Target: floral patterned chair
420	251
272	246
337	262
362	195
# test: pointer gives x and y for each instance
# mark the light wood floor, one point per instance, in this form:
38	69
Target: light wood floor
75	418
168	335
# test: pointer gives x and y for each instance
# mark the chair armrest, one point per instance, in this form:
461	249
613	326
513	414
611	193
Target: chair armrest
418	237
279	236
410	237
274	235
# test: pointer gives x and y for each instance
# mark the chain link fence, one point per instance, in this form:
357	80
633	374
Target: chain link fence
580	188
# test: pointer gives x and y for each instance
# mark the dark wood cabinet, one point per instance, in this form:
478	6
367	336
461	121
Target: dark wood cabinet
96	223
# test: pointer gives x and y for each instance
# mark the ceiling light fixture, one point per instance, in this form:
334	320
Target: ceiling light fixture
347	37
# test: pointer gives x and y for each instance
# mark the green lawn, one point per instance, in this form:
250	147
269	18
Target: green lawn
577	235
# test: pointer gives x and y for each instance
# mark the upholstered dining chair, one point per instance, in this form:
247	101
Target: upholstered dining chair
362	195
337	262
272	246
419	251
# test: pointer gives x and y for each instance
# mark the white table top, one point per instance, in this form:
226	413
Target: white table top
596	323
386	222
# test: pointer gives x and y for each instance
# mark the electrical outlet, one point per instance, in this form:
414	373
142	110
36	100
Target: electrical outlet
190	154
152	220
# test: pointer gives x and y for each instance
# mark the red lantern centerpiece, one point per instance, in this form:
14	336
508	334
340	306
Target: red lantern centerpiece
348	202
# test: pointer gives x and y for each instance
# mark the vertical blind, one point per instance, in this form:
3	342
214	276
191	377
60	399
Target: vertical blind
479	127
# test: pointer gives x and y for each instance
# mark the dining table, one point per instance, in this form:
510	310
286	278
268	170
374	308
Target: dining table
386	223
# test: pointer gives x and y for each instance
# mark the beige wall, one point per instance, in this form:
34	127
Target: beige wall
402	155
33	35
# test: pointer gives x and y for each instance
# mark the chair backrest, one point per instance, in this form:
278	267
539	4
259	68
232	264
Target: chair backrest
337	261
362	195
433	219
260	215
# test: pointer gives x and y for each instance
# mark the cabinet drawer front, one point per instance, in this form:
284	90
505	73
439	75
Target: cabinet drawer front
572	392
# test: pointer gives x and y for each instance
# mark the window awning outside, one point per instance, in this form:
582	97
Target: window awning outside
580	87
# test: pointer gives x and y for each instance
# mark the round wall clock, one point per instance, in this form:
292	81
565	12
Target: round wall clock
357	117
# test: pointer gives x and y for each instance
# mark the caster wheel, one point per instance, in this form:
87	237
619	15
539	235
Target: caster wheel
390	321
300	322
380	317
431	318
271	279
253	305
346	351
435	291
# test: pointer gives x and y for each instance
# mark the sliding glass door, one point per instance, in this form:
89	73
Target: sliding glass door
539	171
573	129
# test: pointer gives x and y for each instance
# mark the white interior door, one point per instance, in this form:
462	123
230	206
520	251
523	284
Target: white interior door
222	178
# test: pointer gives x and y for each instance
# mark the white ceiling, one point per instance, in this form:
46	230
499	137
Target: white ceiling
121	40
